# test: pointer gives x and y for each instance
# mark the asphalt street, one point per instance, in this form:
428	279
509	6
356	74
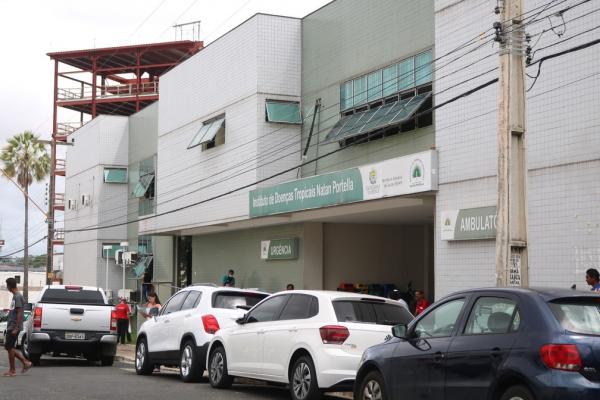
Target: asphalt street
66	379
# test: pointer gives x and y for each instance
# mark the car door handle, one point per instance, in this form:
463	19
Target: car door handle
438	357
496	352
188	315
261	332
294	329
167	321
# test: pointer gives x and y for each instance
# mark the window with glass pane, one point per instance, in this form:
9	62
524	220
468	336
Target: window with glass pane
440	322
491	315
390	80
346	92
374	84
360	91
406	74
286	112
115	175
423	68
269	310
110	253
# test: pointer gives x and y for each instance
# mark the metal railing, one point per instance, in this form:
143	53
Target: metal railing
66	128
58	235
59	199
61	164
108	91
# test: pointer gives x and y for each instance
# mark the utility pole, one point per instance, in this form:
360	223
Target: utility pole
511	222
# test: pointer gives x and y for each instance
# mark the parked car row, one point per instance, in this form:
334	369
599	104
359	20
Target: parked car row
495	344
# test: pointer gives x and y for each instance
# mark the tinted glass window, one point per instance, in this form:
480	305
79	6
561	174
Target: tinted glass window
267	311
440	321
299	307
579	316
175	303
73	296
370	312
231	300
491	315
191	300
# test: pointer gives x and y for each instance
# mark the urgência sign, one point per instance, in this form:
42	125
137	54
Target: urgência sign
398	176
469	224
279	249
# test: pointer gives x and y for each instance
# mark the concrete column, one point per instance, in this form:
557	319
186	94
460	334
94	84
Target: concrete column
313	256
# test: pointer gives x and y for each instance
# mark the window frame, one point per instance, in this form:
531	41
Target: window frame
285	297
108	168
194	305
458	323
163	309
274	101
103	252
471	308
309	311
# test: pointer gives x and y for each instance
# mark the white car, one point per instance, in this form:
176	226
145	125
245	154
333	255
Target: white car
311	340
179	335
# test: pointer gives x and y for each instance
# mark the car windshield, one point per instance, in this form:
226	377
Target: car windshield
578	315
232	299
73	296
371	312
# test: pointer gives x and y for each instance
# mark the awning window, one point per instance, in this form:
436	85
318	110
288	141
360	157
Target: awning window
385	116
142	265
285	112
207	132
142	186
115	175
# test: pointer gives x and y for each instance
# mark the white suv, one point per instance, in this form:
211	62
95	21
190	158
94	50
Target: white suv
180	333
311	340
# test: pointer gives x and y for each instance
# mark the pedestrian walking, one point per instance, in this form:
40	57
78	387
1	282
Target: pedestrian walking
122	311
13	327
592	277
421	302
229	280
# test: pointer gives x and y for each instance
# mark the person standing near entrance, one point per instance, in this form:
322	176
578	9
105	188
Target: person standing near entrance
421	302
13	327
592	277
122	311
229	280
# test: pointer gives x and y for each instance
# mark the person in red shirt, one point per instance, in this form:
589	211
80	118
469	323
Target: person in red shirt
421	303
122	311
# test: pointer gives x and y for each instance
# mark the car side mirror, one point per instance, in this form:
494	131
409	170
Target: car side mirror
400	331
241	320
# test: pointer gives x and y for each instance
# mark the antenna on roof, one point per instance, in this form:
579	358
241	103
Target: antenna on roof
183	31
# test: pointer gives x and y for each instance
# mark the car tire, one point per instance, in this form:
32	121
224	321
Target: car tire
303	380
217	374
25	347
190	369
517	393
371	387
35	359
143	366
107	361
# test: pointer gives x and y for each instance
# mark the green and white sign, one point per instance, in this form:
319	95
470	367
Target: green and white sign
469	224
398	176
279	249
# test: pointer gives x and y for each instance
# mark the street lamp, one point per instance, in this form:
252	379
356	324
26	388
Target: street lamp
124	246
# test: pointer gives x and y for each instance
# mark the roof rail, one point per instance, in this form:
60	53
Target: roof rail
203	284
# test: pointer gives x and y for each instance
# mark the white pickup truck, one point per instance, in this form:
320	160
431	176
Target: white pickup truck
75	320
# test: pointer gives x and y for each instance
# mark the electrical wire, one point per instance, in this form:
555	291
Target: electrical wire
28	247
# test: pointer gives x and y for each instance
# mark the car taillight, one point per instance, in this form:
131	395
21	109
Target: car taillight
113	321
37	318
211	325
561	356
333	334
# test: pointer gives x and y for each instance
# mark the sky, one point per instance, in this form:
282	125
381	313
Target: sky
29	29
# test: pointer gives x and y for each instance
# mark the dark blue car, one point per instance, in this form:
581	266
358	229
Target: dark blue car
491	344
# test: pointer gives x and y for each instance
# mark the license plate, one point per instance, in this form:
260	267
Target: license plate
74	335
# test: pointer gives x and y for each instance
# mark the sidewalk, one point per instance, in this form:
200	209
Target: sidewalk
125	353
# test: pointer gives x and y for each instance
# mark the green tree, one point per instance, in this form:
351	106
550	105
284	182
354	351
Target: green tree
26	160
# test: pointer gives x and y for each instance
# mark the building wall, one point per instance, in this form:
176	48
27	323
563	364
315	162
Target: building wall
563	151
234	75
213	255
345	39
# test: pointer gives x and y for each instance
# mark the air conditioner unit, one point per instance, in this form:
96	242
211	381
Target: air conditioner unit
130	257
85	200
119	256
72	204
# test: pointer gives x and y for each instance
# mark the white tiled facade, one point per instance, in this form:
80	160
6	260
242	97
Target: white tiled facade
563	148
100	143
258	60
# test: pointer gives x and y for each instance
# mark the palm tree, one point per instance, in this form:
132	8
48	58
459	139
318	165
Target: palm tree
26	159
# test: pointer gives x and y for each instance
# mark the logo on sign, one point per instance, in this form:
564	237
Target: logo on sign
417	173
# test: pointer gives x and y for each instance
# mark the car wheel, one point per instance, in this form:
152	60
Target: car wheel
142	361
303	380
218	376
25	347
517	393
107	361
190	369
371	387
